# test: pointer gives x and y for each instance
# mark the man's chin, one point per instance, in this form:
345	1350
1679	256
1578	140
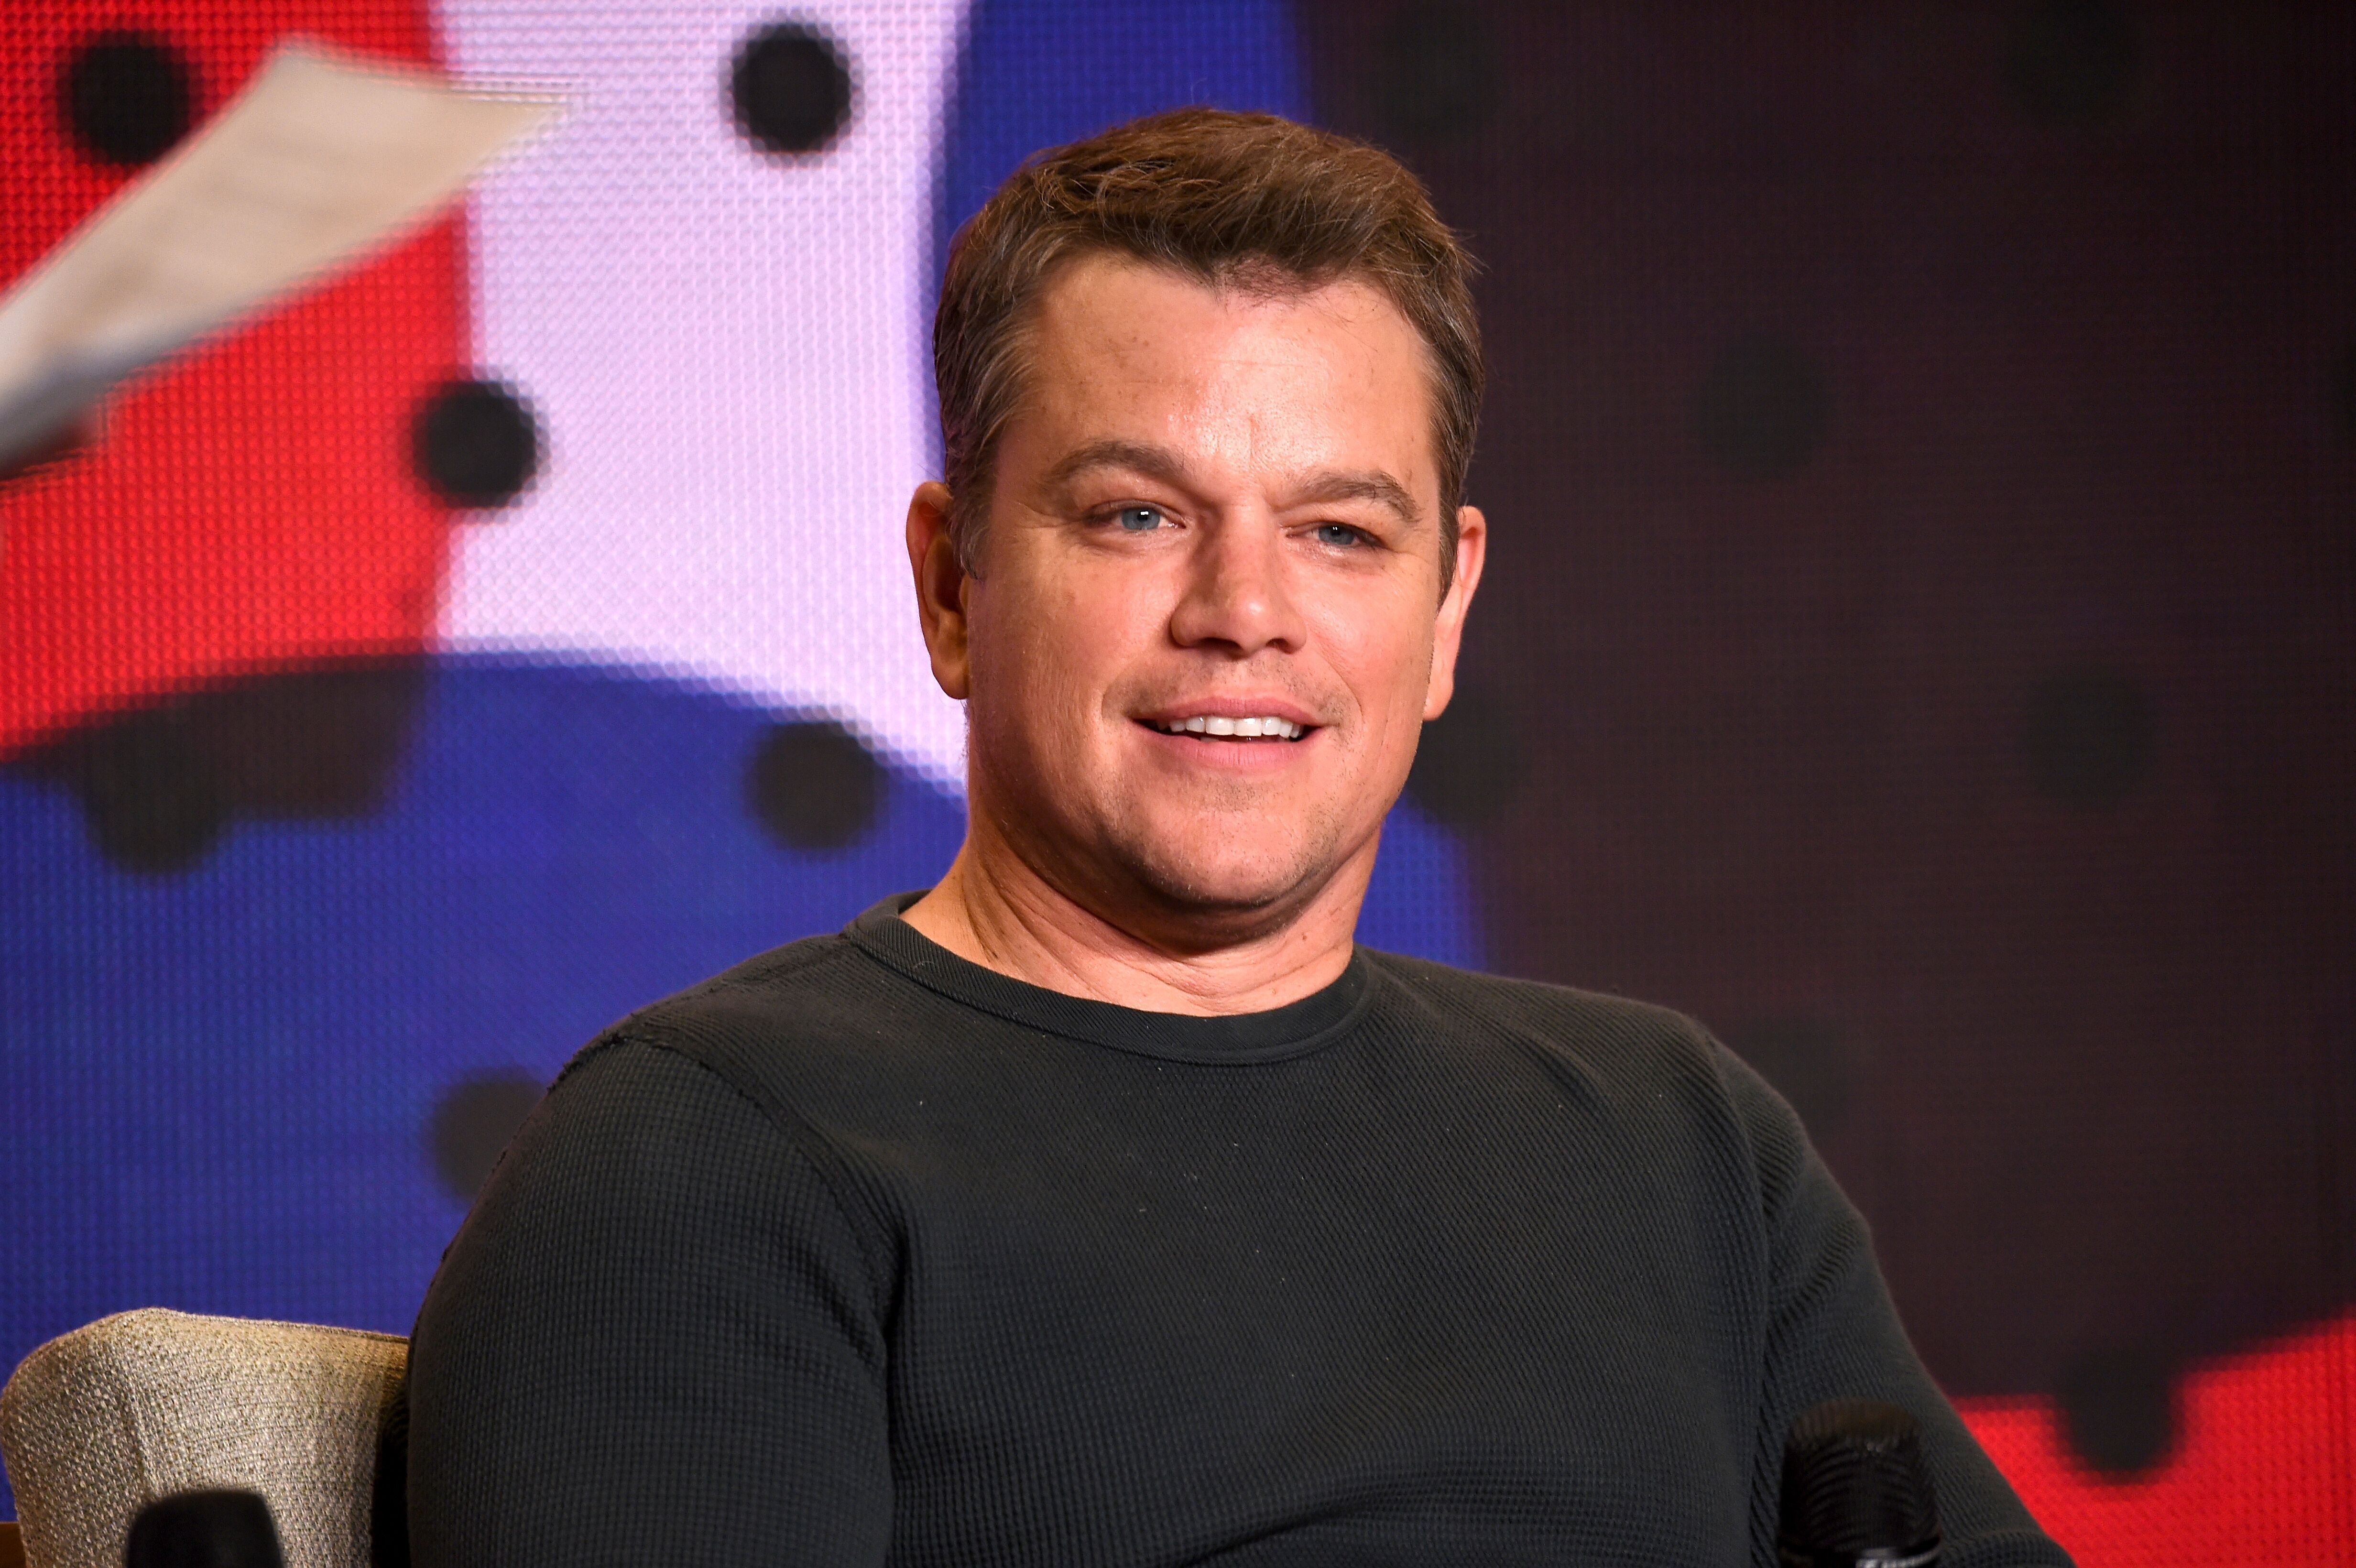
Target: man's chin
1223	894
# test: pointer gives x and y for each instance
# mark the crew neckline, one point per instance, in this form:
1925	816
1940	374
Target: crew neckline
1278	1034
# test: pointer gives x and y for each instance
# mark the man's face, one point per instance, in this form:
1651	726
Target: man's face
1208	623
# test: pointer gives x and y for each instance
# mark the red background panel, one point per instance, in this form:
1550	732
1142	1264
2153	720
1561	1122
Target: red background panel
2267	1443
254	504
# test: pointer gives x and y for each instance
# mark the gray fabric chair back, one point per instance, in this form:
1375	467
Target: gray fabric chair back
99	1423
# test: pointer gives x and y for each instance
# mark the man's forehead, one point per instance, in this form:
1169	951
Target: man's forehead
1104	294
1131	364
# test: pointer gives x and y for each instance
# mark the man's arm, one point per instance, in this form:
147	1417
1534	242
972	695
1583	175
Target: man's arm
655	1339
1833	1334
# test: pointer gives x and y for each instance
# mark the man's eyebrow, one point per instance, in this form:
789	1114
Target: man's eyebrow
1152	462
1369	485
1156	463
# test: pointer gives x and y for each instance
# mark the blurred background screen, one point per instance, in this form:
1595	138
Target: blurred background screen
1920	641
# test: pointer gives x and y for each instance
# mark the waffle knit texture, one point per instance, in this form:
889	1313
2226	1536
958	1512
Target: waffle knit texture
861	1254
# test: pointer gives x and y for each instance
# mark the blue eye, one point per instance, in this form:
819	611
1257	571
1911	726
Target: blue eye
1141	519
1339	534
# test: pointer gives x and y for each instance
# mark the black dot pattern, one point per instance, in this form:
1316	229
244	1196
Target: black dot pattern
472	1125
790	88
1763	408
160	784
126	98
2089	738
1435	74
2118	1412
2072	61
1470	762
154	802
474	443
813	785
1809	1063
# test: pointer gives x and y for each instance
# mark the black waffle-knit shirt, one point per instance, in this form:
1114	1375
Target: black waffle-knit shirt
862	1253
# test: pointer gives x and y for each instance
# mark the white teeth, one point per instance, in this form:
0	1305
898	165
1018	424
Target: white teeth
1242	729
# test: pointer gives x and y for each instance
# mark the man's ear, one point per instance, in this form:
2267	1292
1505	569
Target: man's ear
940	586
1472	553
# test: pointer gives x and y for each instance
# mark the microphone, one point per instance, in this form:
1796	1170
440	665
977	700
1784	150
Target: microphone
1855	1491
205	1529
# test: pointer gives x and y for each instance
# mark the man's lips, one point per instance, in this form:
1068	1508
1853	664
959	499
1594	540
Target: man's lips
1220	727
1233	719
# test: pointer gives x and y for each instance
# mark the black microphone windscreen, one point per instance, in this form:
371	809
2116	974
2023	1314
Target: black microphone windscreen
205	1529
1855	1490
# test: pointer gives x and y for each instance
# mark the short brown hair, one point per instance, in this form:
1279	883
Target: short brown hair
1245	201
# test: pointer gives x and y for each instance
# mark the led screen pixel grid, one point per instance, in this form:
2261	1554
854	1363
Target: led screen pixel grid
306	935
404	694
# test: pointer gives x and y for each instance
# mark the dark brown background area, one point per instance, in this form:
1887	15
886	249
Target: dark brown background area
1920	450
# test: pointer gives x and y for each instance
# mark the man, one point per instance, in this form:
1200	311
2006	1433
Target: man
1105	1204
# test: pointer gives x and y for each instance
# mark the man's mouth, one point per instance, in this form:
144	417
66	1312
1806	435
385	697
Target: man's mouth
1221	728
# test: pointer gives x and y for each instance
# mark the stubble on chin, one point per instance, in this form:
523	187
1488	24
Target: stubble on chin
1229	862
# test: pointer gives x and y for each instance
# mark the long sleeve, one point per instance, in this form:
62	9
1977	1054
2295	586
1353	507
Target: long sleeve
558	1414
1834	1334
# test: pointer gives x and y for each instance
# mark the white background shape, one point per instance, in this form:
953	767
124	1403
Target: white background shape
727	355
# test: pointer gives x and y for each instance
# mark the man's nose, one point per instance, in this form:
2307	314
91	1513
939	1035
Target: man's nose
1237	597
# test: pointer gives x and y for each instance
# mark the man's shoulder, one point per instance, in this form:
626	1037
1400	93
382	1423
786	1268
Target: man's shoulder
799	980
1505	1000
750	1021
1609	1038
1653	1070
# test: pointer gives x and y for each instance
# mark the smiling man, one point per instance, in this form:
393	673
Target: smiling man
1225	575
1105	1204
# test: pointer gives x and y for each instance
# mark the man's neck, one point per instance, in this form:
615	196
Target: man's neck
993	910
